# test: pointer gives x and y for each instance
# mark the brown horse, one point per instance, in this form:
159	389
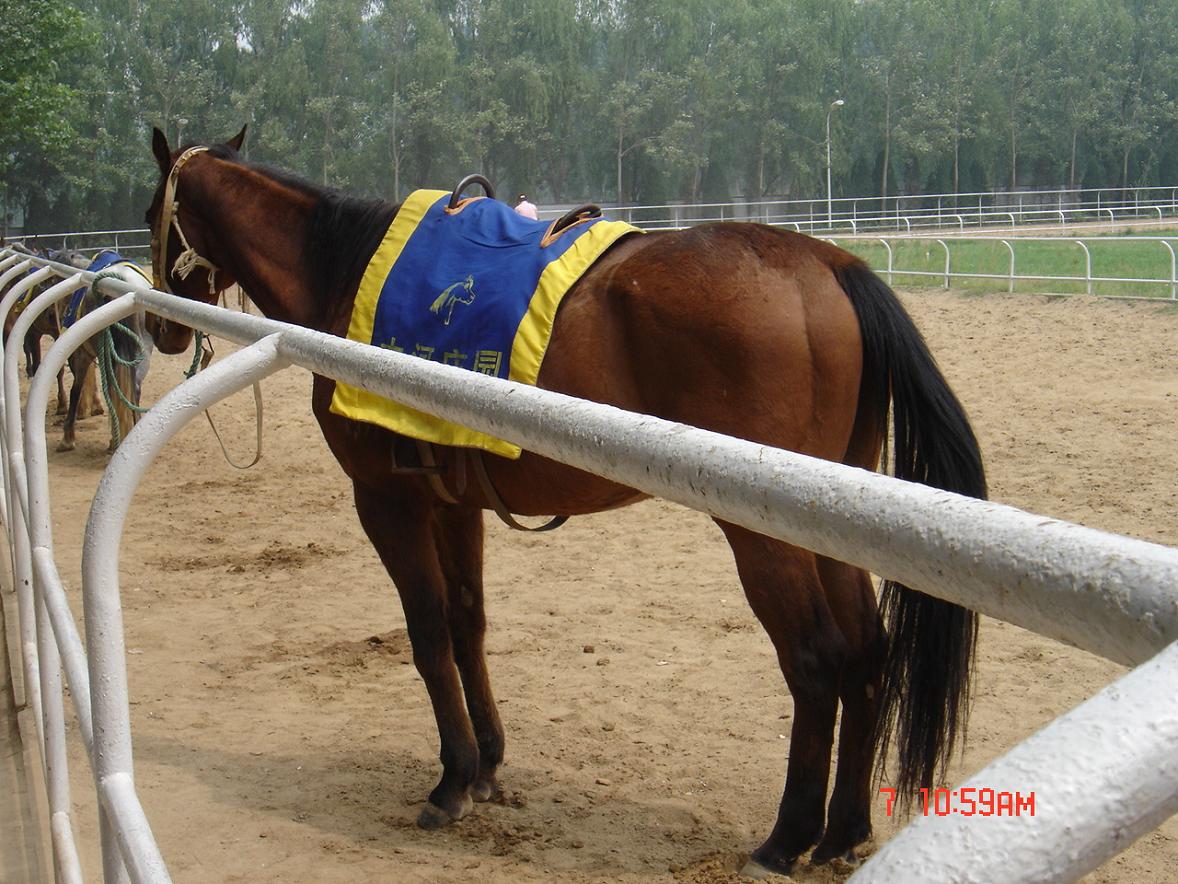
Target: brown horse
128	356
48	323
738	328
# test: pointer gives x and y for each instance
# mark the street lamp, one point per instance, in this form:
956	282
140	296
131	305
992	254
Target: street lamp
838	102
181	122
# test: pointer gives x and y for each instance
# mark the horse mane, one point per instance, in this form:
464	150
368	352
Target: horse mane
343	234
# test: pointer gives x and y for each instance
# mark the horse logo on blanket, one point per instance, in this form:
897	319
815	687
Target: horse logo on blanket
443	305
524	269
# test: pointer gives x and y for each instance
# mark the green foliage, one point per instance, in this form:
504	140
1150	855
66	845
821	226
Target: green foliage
38	108
626	100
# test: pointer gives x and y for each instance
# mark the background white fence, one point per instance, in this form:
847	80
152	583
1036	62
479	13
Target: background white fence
916	212
1103	774
1164	244
908	213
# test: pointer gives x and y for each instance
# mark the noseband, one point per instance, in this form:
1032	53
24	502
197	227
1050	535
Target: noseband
188	259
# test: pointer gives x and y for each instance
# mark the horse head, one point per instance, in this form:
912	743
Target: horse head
72	257
183	259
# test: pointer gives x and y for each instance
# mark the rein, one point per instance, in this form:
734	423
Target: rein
200	360
189	259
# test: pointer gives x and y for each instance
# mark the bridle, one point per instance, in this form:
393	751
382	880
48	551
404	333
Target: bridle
189	259
185	263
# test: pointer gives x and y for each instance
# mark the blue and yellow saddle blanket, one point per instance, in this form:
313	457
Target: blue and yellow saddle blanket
476	287
103	260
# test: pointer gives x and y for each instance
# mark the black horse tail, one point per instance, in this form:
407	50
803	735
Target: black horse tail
925	695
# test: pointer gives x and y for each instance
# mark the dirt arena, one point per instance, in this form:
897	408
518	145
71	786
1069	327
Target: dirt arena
282	733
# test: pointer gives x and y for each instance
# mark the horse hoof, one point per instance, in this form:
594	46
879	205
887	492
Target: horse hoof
848	860
65	446
754	869
433	817
486	790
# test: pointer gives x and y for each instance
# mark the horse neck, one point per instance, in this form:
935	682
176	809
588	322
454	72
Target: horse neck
261	230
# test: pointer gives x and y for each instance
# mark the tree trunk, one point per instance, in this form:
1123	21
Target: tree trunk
1013	153
395	149
761	170
1072	177
887	155
956	163
621	153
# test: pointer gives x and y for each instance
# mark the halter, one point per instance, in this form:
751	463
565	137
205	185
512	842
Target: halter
188	260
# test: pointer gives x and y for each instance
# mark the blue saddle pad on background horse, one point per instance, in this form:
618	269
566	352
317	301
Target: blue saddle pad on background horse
104	259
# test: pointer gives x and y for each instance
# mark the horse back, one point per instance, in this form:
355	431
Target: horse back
738	328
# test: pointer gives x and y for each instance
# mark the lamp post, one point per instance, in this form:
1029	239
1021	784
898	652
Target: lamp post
838	102
182	122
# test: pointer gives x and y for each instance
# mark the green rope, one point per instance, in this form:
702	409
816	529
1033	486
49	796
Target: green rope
108	358
197	353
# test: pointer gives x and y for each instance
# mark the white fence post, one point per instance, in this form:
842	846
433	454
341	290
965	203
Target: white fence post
1087	265
1010	248
1173	271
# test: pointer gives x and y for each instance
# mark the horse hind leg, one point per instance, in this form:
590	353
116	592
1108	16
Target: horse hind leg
459	533
89	401
851	597
123	418
783	587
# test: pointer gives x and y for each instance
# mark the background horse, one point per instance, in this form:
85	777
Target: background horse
132	345
45	324
738	328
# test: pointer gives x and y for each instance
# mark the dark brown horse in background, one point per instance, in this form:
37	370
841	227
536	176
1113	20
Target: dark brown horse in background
48	323
129	349
738	328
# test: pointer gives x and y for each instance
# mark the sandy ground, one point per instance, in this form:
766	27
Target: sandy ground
282	733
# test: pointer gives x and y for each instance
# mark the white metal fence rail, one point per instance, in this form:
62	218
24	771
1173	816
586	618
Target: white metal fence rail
1111	595
911	212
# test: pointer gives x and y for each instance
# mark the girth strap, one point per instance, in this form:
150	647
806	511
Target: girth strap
493	498
429	467
433	472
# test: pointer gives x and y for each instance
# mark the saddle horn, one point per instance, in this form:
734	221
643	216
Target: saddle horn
467	182
568	219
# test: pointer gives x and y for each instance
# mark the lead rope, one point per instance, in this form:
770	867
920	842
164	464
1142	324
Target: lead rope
108	358
200	360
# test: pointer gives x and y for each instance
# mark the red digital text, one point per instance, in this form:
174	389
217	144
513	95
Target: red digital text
969	801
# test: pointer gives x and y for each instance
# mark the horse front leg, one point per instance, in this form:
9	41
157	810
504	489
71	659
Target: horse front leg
459	533
32	352
62	400
68	430
401	528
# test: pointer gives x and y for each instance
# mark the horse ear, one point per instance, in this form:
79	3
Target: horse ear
239	139
159	146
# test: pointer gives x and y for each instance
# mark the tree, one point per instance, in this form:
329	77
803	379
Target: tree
37	107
